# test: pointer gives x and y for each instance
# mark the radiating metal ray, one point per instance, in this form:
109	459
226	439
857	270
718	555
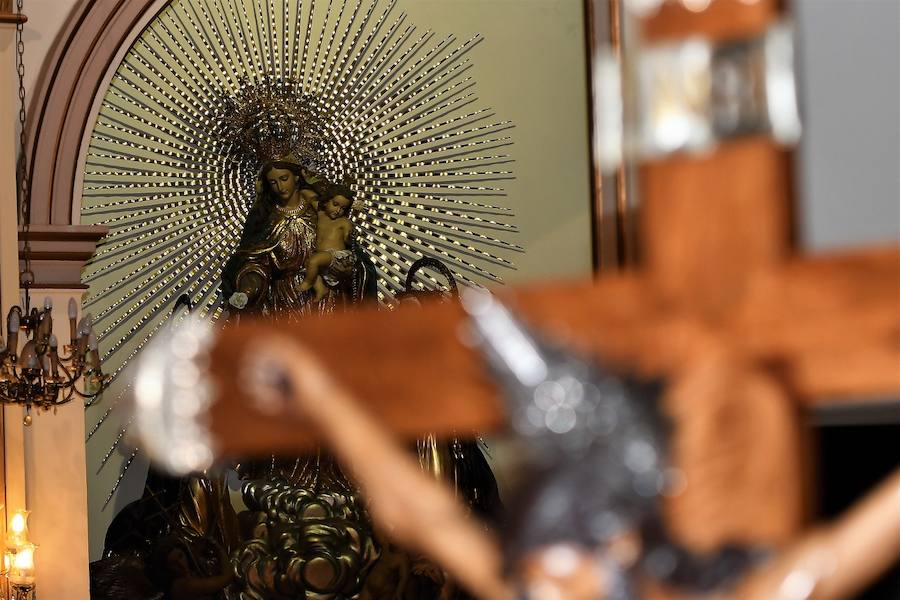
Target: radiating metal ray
287	60
172	22
206	300
304	69
124	470
377	121
96	427
421	233
137	76
308	83
415	249
379	52
465	149
473	210
120	240
119	129
124	232
337	70
319	67
95	155
224	40
270	35
448	88
450	240
435	142
167	247
171	63
124	114
254	36
414	79
244	58
176	120
446	216
435	131
194	19
458	190
458	228
206	290
380	87
157	296
453	96
162	276
382	67
115	444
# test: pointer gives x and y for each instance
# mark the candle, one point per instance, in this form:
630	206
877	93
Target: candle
73	314
54	356
12	320
84	329
12	323
29	358
45	327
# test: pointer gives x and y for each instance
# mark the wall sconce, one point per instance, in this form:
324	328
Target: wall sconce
21	573
18	560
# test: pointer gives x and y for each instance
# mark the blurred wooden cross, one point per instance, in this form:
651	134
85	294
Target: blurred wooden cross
748	333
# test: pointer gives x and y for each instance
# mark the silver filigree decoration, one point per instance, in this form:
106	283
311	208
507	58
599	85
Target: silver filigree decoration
269	118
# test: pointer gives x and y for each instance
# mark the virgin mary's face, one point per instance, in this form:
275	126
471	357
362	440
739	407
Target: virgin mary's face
282	183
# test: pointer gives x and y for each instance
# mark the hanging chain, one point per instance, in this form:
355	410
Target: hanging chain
26	278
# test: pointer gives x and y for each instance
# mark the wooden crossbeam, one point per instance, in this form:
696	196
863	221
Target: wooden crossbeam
827	328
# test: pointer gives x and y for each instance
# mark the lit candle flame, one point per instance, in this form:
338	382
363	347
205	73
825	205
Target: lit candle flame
19	522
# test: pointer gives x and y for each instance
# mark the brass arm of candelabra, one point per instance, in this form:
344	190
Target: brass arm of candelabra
36	375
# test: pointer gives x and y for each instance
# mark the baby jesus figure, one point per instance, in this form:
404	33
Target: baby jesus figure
332	257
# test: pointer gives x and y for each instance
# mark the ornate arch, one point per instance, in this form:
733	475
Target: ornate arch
61	111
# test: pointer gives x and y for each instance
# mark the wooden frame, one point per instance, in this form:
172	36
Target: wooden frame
611	221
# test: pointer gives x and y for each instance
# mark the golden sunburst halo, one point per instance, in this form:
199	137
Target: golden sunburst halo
373	100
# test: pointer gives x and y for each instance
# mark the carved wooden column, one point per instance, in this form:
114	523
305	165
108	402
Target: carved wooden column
56	481
53	446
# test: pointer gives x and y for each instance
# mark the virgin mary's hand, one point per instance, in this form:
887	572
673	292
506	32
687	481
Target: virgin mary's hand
238	300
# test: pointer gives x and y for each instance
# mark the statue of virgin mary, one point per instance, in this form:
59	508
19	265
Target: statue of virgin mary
263	276
305	532
300	529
